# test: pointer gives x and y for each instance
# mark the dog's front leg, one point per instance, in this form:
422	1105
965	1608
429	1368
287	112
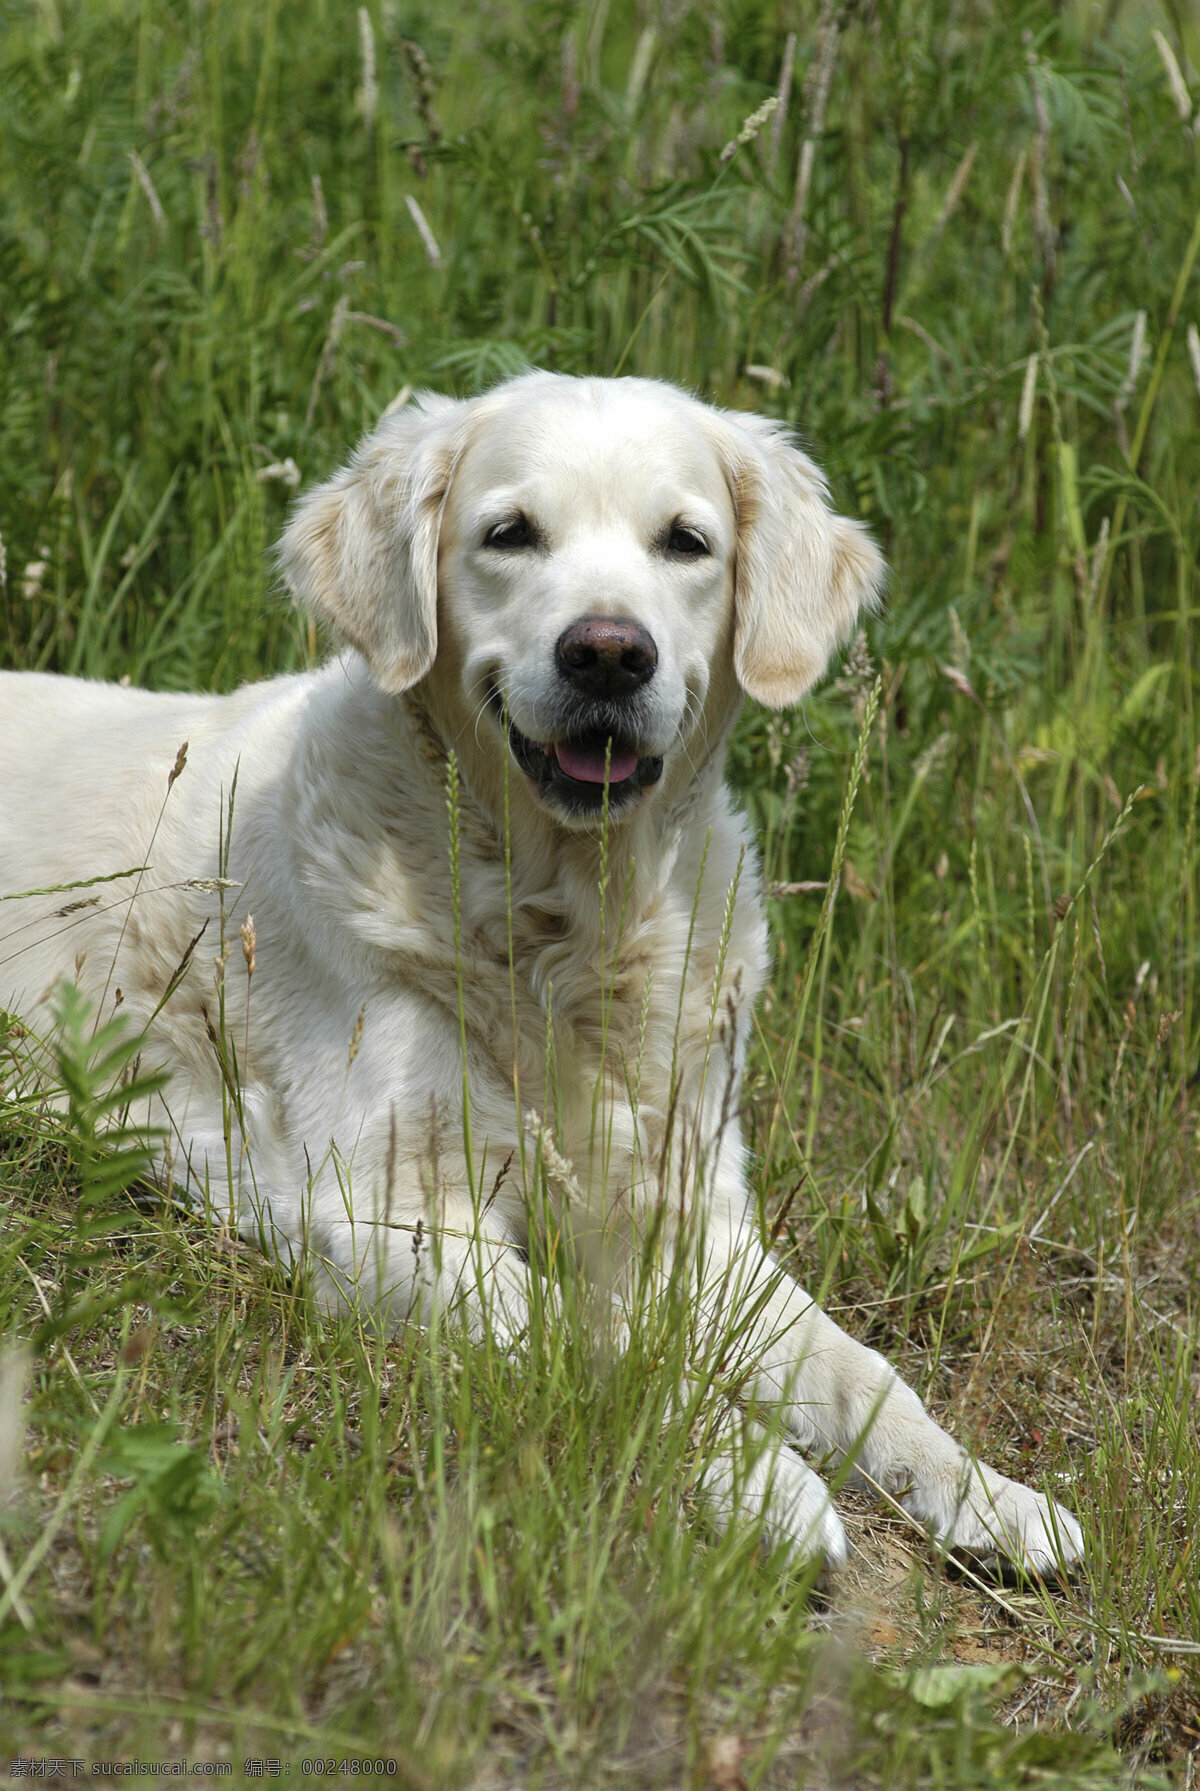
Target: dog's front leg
844	1400
751	1473
414	1271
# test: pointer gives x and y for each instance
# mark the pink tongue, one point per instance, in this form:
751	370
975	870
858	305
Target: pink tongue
587	765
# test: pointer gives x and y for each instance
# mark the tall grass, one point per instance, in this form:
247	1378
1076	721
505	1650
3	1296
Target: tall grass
959	257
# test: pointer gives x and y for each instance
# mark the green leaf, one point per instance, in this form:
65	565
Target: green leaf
173	1485
956	1682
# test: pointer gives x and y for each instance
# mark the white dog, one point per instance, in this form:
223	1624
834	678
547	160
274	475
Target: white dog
563	588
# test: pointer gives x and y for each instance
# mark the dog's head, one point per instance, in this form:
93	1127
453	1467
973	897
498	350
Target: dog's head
588	569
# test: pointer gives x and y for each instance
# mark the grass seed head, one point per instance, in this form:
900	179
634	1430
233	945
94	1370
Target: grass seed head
249	941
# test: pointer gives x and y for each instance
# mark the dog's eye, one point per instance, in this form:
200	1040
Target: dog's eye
686	543
514	531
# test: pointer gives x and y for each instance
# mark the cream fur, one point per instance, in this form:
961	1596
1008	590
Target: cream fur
348	1032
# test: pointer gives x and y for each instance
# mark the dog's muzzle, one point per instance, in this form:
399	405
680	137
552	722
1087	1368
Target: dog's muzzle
602	664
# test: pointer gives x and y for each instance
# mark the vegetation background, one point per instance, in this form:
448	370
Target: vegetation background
954	246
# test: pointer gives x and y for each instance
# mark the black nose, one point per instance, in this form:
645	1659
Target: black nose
606	656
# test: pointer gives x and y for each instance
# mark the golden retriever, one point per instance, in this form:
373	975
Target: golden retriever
555	597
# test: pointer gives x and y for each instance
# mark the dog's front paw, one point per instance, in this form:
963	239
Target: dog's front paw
800	1514
770	1485
984	1514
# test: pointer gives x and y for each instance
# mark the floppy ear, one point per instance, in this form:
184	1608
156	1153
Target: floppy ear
803	573
362	549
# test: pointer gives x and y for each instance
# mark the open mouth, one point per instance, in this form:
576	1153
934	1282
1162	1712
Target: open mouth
576	770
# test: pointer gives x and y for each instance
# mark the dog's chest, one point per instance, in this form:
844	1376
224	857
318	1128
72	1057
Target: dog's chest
620	1004
634	1038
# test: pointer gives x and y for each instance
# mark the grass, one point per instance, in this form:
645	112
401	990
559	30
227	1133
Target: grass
960	260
